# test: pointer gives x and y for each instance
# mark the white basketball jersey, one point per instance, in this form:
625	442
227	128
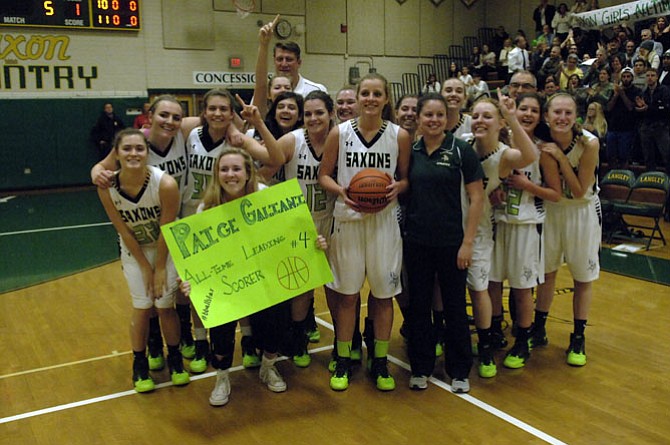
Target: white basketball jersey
490	164
202	152
463	129
141	213
574	154
521	206
173	161
356	154
304	165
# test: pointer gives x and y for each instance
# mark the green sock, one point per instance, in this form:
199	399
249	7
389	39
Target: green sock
344	349
381	348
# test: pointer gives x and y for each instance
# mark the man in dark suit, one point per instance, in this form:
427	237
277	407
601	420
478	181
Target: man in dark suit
543	15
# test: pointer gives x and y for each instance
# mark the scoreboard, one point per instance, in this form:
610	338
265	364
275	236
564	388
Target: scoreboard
117	15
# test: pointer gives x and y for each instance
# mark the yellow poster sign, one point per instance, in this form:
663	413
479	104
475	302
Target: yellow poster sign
248	254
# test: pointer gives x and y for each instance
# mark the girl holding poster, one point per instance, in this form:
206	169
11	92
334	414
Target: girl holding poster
235	176
140	200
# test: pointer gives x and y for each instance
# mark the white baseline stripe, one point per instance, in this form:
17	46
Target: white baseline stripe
53	229
439	383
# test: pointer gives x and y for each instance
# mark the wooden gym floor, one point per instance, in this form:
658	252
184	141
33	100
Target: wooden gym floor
66	377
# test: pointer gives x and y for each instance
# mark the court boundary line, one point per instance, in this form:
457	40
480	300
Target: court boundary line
55	229
437	382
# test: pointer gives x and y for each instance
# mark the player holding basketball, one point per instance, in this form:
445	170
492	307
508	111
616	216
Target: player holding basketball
141	199
439	243
365	242
573	224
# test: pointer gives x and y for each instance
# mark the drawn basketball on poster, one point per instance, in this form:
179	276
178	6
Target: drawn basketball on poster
292	273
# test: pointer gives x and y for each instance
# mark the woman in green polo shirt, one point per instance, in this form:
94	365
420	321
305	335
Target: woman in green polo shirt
438	243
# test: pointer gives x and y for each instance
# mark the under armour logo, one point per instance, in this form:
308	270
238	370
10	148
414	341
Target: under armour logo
348	143
302	156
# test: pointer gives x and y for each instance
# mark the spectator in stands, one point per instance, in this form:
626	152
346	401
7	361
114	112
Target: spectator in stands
646	36
465	76
591	75
629	53
142	120
614	48
499	38
476	57
661	32
615	68
518	58
562	21
622	125
552	65
640	74
646	52
539	55
479	88
664	71
453	70
595	121
550	88
432	85
543	15
654	129
488	60
569	69
547	35
522	82
105	129
503	59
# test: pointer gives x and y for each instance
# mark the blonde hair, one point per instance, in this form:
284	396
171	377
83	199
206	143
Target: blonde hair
214	194
598	122
504	131
577	127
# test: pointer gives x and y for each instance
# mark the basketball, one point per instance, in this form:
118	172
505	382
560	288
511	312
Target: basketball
368	189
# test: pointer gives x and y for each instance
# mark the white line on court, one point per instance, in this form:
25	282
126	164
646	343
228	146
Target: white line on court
439	383
53	229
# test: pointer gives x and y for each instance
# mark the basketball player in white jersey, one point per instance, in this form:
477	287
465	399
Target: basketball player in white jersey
140	200
365	244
